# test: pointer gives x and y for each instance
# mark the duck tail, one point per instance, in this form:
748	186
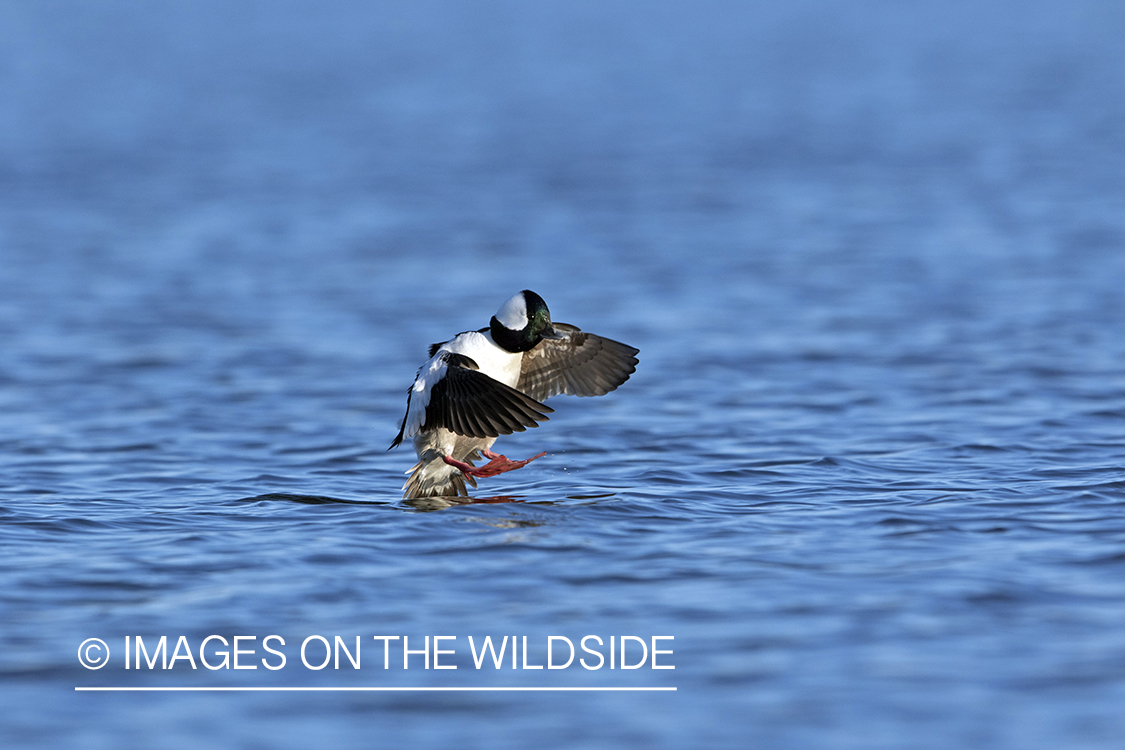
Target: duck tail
433	477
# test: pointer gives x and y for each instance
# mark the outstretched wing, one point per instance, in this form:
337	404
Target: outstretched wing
470	403
582	364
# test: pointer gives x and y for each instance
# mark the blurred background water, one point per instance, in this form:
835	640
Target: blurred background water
869	472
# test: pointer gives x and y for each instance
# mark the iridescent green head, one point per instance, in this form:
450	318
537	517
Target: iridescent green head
522	322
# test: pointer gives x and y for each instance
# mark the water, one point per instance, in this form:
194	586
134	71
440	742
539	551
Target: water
868	473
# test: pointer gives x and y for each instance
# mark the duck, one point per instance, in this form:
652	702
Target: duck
490	382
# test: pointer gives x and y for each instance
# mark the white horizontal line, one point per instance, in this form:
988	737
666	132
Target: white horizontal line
366	689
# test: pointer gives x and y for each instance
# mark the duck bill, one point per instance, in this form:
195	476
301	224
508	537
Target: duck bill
550	332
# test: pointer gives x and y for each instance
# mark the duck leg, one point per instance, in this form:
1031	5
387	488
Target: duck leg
497	464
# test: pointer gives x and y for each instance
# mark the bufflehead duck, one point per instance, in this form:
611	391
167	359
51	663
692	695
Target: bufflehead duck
483	384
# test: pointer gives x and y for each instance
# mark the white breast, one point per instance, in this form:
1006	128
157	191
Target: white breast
494	361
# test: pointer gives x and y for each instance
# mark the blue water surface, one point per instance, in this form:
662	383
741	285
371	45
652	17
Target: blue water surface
869	473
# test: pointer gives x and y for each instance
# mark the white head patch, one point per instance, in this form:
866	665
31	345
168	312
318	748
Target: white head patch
513	313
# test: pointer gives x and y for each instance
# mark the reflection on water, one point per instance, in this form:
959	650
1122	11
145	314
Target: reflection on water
440	503
417	503
287	497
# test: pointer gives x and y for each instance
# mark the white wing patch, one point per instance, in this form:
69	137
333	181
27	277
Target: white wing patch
492	361
431	372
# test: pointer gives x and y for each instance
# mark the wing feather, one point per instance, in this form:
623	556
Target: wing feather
582	364
471	403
